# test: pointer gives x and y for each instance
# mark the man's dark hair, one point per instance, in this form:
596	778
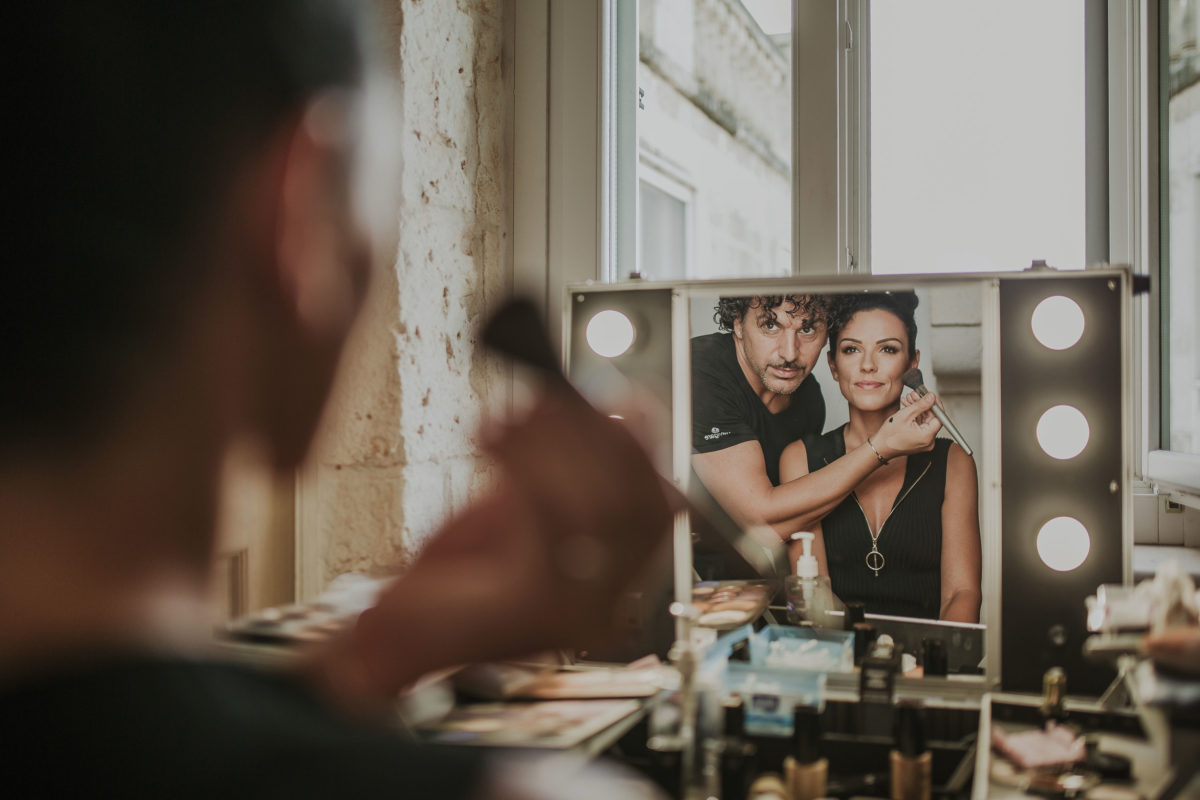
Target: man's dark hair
901	304
124	134
813	307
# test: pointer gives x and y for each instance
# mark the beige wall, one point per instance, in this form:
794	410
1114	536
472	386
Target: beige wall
398	449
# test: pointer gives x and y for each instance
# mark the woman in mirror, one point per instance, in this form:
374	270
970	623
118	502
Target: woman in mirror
906	540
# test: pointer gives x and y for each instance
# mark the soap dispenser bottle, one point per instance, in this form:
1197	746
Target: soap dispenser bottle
809	596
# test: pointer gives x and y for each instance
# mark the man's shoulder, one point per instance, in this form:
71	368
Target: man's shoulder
824	448
712	345
180	728
713	357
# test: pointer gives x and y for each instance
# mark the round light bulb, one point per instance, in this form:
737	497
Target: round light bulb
1057	322
609	333
1063	432
1063	544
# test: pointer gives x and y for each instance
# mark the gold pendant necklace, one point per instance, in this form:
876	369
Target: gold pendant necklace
875	560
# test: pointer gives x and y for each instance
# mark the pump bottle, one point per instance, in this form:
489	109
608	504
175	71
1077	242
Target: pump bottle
809	596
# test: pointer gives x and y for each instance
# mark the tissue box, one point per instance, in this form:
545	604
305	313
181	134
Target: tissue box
791	647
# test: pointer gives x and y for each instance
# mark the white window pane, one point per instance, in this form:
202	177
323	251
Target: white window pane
1181	281
977	135
664	235
715	77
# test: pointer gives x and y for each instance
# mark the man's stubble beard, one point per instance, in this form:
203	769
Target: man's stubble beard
762	376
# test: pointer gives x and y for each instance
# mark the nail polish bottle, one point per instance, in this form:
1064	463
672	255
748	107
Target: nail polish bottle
910	761
805	771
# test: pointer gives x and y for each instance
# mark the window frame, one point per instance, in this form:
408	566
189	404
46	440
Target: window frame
1124	201
575	164
1172	473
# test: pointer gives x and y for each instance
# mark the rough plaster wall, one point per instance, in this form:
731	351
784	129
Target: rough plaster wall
398	450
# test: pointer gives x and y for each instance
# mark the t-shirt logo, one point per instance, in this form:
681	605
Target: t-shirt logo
717	433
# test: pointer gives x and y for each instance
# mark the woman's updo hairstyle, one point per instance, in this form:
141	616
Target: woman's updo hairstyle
901	304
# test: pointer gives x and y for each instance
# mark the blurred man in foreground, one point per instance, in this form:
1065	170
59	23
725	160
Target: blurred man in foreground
191	247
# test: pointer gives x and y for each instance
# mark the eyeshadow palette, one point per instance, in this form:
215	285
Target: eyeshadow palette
292	624
724	605
332	611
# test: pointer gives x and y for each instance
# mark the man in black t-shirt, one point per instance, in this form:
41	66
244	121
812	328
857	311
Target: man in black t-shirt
753	393
752	384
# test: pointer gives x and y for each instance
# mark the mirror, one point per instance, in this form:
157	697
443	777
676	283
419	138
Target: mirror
983	351
751	395
949	318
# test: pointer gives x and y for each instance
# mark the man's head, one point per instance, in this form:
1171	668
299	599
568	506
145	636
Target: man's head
778	338
159	144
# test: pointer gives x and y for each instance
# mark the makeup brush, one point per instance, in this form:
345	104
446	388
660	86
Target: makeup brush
516	330
915	381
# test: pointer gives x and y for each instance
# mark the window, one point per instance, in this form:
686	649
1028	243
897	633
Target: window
977	135
669	50
1179	159
664	232
715	116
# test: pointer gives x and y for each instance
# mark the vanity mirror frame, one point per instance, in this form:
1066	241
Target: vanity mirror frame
678	297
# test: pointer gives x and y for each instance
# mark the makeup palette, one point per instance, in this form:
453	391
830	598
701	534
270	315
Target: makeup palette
724	605
291	624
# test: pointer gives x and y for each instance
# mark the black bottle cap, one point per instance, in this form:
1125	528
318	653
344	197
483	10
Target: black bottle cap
864	638
909	730
855	613
933	657
806	734
735	716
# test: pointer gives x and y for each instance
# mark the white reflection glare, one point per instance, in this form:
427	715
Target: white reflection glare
1063	432
609	333
1063	543
1057	322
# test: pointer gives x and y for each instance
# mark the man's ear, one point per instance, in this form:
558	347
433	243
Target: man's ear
312	291
737	327
315	265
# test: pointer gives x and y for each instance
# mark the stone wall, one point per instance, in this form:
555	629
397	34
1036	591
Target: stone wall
398	449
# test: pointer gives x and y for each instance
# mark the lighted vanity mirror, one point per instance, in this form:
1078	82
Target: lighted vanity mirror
662	342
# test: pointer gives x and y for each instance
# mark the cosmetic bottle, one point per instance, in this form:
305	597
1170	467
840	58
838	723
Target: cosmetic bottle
864	641
809	596
804	770
768	786
1054	692
934	659
855	613
911	762
878	670
737	754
